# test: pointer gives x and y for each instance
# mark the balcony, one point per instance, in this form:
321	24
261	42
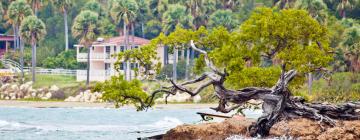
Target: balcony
82	57
95	75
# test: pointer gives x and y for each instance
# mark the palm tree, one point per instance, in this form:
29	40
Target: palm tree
37	4
95	7
284	4
32	30
143	15
343	6
199	10
176	15
86	28
17	12
1	11
158	7
126	11
316	8
64	6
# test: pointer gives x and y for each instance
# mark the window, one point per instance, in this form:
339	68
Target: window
122	65
135	47
107	49
122	48
107	66
115	48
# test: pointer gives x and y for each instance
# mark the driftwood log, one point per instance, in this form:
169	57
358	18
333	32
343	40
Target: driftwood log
278	102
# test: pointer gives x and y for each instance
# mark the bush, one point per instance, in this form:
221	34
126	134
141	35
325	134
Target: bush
342	87
15	56
167	71
65	60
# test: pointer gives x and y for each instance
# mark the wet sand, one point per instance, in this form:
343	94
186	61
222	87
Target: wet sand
60	104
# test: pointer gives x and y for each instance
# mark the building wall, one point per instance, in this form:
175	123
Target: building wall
97	65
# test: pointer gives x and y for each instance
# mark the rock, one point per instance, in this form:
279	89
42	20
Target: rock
196	99
27	97
12	97
14	87
48	95
87	97
33	94
5	87
70	99
210	131
54	88
297	128
93	99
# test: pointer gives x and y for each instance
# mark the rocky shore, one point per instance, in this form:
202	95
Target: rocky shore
14	91
301	128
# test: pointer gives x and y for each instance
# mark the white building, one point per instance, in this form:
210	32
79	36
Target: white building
102	60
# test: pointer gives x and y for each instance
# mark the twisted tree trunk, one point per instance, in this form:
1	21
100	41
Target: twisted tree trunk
278	102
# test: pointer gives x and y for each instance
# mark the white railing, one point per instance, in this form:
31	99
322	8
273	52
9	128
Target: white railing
56	72
82	56
92	56
97	56
95	75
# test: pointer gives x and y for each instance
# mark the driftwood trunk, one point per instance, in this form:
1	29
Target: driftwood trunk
278	102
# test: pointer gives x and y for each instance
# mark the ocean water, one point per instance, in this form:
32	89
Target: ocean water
93	123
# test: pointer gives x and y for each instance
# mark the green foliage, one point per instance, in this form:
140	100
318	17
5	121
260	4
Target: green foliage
122	92
286	34
145	56
65	60
224	18
254	76
342	87
167	71
15	56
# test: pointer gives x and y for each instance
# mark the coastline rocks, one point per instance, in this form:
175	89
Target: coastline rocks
179	98
15	91
297	128
85	96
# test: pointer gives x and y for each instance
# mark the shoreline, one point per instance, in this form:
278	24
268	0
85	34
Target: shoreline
62	104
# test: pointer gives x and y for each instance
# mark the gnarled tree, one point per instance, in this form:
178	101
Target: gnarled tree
278	102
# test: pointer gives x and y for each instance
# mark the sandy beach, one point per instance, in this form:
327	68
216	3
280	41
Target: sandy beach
59	104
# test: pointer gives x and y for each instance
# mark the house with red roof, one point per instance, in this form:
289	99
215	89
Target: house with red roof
102	57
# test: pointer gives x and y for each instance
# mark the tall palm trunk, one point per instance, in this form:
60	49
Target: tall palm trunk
15	37
187	63
33	60
88	67
66	31
22	60
127	68
174	63
142	30
132	42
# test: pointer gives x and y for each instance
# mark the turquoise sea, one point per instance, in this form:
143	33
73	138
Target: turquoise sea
93	123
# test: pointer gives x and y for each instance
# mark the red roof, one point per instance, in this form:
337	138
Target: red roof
6	37
119	40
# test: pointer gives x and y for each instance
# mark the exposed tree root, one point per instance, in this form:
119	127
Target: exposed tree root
278	102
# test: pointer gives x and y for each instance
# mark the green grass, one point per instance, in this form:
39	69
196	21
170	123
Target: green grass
48	80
